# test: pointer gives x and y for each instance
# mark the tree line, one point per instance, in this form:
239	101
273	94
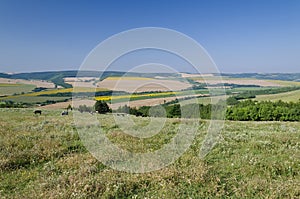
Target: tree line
264	111
248	110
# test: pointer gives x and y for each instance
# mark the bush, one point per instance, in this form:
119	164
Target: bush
232	101
102	107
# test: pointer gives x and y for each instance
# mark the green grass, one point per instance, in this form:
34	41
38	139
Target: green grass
292	96
43	157
241	89
285	83
35	99
10	89
204	100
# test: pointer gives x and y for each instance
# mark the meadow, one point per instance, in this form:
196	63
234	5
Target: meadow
36	99
204	100
292	96
10	89
43	157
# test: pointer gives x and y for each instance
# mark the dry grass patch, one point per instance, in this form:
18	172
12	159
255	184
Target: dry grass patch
37	83
240	81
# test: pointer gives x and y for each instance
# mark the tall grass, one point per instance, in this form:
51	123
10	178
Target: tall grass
43	157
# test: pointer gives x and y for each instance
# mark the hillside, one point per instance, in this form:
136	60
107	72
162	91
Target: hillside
57	77
43	157
292	96
273	76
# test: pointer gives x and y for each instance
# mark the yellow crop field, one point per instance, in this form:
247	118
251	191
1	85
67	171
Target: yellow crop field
49	92
66	90
108	98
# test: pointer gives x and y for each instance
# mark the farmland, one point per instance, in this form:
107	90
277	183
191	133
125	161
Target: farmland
137	99
36	83
36	99
292	96
204	100
116	98
47	95
240	81
140	89
43	156
141	84
11	89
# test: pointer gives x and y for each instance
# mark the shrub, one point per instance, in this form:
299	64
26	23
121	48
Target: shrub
102	107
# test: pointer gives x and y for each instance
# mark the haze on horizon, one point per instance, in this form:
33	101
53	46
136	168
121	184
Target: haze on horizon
240	36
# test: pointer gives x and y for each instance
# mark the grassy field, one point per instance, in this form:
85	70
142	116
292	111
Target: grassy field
204	100
285	83
292	96
36	99
64	90
10	89
43	157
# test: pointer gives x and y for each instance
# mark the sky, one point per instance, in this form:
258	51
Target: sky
240	35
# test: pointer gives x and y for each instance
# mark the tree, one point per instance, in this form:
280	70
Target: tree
123	109
174	111
232	101
102	107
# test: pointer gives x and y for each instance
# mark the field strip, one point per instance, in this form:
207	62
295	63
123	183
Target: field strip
135	103
37	83
9	85
284	83
135	96
241	81
292	96
74	103
142	85
55	91
151	102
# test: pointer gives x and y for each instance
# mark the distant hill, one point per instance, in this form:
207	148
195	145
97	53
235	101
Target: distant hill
275	76
4	75
57	77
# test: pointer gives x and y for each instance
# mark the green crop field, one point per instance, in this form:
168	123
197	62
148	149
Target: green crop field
10	89
285	83
204	100
292	96
43	157
35	99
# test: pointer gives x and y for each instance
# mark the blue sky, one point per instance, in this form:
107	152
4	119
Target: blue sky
240	36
